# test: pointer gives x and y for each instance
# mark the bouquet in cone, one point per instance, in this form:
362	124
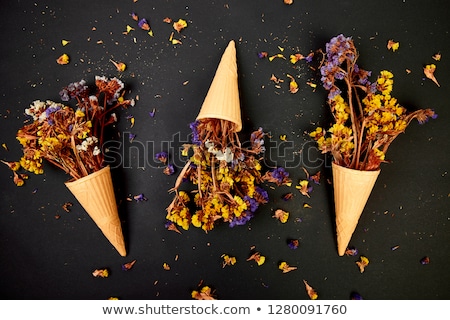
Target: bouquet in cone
71	140
226	175
367	119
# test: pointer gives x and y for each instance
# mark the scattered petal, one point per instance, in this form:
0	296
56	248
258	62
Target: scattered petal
310	291
66	206
63	59
174	41
140	198
131	136
262	54
393	45
279	55
132	120
351	252
293	244
134	16
425	260
283	137
285	267
172	227
355	296
128	266
166	266
437	56
102	273
65	42
288	196
129	29
152	113
167	20
120	66
304	188
395	248
205	293
305	205
429	73
288	2
5	146
294	58
362	263
169	170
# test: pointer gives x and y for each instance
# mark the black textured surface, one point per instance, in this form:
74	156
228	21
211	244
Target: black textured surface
47	258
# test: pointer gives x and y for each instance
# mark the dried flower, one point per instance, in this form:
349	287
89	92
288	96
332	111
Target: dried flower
179	25
425	260
172	227
162	156
120	66
429	70
310	291
293	244
362	263
140	197
262	54
258	258
100	273
366	124
393	45
63	59
281	215
285	267
71	138
304	188
169	170
204	293
351	252
228	260
293	86
127	266
226	176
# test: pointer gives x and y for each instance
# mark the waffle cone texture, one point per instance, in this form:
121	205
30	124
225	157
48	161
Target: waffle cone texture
352	189
95	193
222	99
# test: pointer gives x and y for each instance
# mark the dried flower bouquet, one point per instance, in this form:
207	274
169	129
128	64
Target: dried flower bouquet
367	119
71	139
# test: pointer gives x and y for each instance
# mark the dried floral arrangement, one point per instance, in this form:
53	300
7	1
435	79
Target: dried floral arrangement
367	118
227	175
71	139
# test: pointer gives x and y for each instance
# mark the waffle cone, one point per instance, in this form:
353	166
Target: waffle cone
222	99
95	193
352	189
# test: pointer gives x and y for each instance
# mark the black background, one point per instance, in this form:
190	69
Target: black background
47	258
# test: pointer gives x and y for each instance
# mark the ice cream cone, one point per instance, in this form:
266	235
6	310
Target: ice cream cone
352	189
222	99
95	193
